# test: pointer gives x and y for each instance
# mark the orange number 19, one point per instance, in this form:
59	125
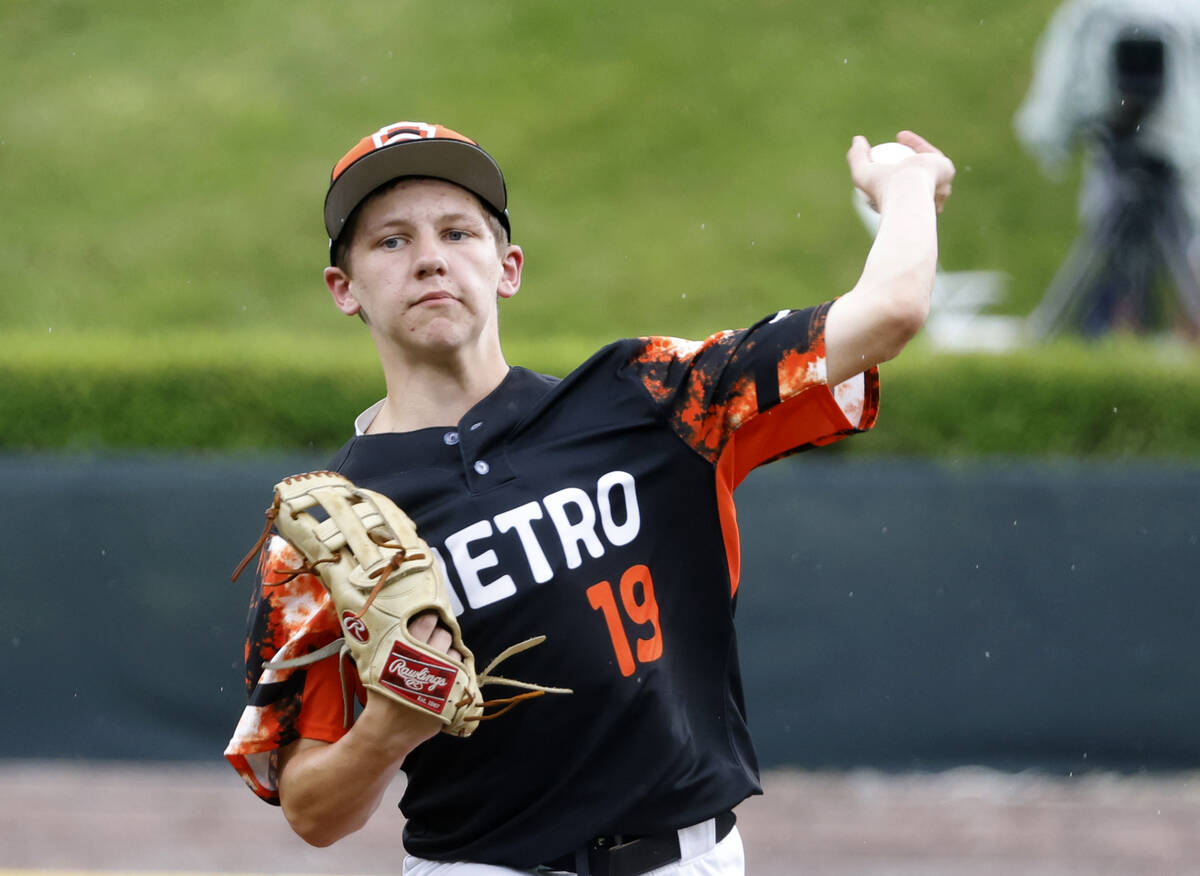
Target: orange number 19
637	598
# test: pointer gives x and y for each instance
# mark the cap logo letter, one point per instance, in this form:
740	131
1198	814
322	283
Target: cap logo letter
403	131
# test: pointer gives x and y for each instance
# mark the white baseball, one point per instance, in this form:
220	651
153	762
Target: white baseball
883	153
890	153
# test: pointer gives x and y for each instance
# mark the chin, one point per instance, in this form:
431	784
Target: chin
438	343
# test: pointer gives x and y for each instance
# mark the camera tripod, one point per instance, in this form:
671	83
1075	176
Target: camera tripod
1113	272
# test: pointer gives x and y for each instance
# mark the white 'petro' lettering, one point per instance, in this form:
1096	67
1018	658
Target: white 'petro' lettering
581	523
520	519
468	567
623	533
583	531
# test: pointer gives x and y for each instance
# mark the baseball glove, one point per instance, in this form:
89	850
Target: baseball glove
380	574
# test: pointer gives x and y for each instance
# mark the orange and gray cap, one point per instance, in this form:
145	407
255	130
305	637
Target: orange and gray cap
412	149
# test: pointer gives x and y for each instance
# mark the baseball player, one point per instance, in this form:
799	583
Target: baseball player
596	509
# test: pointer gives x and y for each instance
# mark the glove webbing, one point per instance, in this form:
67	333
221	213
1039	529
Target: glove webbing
381	573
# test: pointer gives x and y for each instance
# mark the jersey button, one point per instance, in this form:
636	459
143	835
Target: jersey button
482	467
450	438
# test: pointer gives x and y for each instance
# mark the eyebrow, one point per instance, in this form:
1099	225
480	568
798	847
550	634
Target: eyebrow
454	218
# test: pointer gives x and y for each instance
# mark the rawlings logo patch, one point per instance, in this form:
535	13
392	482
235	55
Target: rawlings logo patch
417	677
355	627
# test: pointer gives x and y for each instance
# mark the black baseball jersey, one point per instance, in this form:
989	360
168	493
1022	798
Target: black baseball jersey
596	510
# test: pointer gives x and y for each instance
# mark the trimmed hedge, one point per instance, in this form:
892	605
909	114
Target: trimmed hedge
1114	401
251	392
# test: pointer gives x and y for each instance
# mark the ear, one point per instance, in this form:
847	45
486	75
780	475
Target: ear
338	282
510	272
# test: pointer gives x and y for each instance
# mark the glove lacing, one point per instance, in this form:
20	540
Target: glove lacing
342	649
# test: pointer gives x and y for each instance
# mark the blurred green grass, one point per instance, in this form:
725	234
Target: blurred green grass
674	168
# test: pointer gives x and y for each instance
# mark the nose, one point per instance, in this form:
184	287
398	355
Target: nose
429	262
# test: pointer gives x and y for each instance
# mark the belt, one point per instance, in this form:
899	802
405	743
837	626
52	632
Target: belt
630	856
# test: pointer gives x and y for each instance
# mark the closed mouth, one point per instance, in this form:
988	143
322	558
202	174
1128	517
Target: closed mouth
431	297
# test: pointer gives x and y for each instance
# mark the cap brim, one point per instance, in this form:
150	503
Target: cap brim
455	161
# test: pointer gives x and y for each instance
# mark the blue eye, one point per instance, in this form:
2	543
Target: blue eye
390	243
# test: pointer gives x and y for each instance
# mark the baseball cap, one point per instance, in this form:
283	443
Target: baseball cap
412	149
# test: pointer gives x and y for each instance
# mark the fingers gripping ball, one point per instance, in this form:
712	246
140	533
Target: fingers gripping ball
380	574
881	153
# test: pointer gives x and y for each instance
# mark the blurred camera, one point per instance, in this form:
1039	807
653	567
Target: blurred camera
1139	78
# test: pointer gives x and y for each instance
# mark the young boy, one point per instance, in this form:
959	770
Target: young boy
596	510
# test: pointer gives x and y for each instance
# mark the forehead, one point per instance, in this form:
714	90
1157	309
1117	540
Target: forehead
418	199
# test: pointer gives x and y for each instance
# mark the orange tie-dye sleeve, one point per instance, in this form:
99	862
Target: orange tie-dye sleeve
289	617
744	398
763	386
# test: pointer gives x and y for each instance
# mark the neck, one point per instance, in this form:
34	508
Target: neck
435	394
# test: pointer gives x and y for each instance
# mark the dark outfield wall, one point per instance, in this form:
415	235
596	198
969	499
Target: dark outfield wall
893	614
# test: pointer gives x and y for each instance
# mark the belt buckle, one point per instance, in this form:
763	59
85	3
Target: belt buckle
598	858
617	856
611	856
